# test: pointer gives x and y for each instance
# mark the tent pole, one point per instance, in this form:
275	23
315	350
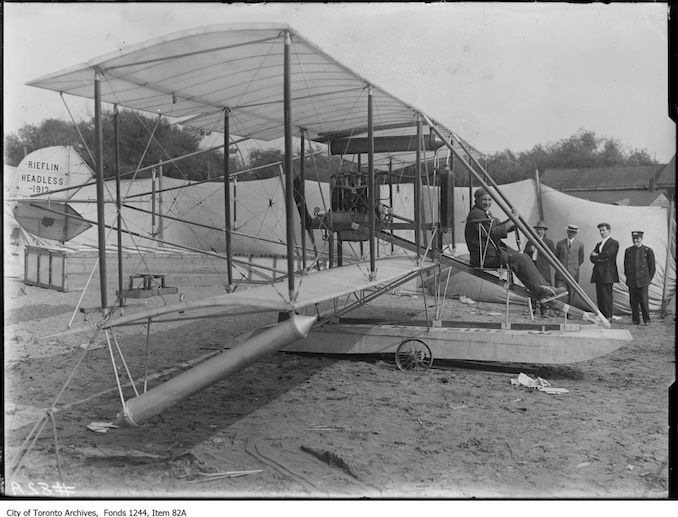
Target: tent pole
505	205
665	289
99	163
537	180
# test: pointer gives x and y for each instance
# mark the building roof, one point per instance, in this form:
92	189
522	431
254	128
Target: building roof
624	197
667	177
603	178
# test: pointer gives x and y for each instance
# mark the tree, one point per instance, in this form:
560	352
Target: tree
265	162
31	137
321	166
144	141
582	150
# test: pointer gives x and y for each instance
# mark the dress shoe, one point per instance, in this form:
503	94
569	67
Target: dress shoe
546	292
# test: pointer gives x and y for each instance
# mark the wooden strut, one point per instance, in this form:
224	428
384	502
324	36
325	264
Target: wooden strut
227	203
99	163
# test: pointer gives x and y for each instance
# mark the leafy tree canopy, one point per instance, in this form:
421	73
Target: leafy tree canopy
144	141
582	150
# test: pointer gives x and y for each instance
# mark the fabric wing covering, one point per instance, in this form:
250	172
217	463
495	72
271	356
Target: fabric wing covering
195	76
49	220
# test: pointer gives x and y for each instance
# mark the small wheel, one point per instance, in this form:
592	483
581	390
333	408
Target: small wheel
413	353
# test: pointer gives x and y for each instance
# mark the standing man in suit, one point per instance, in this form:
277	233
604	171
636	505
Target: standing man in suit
539	259
605	273
639	269
570	253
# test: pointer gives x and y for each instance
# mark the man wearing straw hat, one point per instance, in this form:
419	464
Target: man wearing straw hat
570	253
483	233
539	259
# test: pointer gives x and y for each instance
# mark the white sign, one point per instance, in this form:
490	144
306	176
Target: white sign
51	169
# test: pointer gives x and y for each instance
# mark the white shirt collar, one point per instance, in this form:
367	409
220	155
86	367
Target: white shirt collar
602	243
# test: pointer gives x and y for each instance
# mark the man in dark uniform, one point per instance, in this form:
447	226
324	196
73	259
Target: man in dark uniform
639	269
483	233
605	273
539	258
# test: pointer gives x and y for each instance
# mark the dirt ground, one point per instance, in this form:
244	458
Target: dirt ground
306	426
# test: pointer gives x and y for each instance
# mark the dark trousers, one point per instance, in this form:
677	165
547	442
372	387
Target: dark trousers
638	296
571	293
524	269
604	296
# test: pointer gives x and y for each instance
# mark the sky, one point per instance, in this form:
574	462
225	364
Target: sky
502	75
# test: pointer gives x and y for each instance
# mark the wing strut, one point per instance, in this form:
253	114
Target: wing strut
301	203
289	173
99	159
372	186
417	192
118	197
227	201
300	200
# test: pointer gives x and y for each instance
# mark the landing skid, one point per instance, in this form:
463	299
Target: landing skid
531	344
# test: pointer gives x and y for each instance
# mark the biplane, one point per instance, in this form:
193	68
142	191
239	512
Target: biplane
266	82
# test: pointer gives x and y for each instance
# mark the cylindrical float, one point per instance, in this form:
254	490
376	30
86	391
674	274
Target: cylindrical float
188	383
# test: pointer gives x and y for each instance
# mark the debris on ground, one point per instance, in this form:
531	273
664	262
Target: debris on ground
101	427
539	383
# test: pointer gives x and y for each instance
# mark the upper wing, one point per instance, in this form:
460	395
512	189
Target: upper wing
196	75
